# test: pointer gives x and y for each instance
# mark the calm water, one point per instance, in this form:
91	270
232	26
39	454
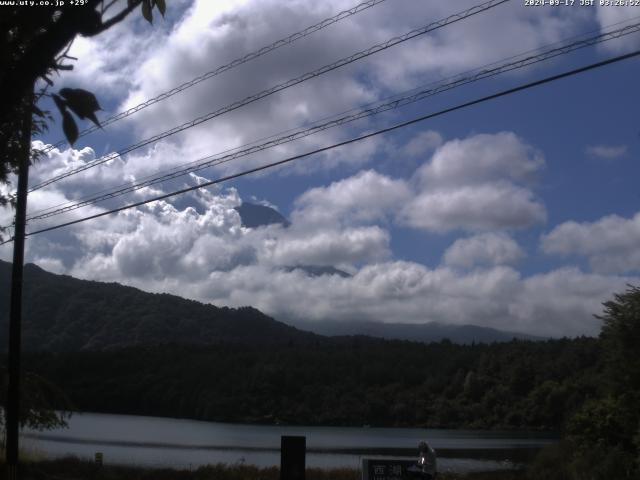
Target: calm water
162	442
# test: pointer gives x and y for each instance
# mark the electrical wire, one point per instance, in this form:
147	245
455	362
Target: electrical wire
544	50
277	88
407	123
397	102
223	68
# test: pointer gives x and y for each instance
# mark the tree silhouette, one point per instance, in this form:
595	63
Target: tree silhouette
34	44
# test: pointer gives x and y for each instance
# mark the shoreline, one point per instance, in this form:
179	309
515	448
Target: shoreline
73	468
471	453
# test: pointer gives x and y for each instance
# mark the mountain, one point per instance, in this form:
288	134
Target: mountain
62	313
253	216
317	271
426	333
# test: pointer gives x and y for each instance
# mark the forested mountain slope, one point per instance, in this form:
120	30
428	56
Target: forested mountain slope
62	313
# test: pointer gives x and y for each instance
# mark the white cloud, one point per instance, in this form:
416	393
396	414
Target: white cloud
563	301
610	243
482	158
608	16
326	247
364	197
203	253
195	246
422	143
452	50
483	249
49	264
107	64
607	152
469	184
476	207
478	183
144	60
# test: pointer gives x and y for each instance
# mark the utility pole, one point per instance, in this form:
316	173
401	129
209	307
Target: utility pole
12	420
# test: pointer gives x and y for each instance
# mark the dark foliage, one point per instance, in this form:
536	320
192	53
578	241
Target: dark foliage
351	381
34	45
62	313
117	349
603	437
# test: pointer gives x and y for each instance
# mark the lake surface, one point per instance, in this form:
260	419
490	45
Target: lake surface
178	443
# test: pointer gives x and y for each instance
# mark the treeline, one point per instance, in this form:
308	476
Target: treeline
62	313
358	381
601	441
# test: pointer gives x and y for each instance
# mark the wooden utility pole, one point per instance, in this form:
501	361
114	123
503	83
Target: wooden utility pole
12	420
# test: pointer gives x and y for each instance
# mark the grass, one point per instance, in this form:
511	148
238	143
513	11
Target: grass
75	469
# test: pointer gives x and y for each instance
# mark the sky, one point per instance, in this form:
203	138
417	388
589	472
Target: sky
520	213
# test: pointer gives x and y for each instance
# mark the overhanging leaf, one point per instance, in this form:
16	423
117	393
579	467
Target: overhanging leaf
146	10
69	127
89	23
162	6
81	102
60	103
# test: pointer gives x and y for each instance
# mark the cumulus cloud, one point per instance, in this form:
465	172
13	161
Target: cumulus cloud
203	252
563	301
483	249
481	207
142	61
482	158
607	152
478	183
452	50
610	243
208	36
422	143
196	247
557	303
366	196
326	247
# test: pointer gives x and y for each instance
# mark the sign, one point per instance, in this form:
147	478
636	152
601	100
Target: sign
389	469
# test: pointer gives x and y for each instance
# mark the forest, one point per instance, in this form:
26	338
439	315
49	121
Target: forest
114	349
355	381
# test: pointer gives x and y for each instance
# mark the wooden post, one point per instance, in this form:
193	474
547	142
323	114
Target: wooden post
12	419
292	457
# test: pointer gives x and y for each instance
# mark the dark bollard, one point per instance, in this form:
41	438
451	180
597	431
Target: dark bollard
292	457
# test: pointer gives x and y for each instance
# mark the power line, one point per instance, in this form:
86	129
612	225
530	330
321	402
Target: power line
223	68
282	86
398	101
503	93
475	74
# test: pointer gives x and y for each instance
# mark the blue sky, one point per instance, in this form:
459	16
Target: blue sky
520	213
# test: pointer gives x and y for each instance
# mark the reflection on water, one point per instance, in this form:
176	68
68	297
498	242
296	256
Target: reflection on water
162	442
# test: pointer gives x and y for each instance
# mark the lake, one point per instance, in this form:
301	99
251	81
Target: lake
179	443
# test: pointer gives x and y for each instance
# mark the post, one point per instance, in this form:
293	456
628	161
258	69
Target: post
292	457
15	313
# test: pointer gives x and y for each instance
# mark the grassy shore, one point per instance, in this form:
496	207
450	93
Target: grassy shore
74	469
